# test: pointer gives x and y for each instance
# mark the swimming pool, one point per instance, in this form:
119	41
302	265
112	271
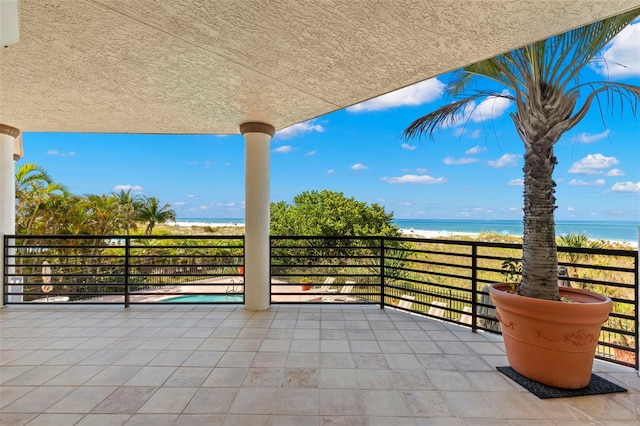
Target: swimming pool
206	298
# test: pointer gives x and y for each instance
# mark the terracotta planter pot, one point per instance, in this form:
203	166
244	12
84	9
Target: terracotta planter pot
305	286
551	342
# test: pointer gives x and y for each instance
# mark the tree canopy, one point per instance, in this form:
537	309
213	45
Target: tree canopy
45	207
330	213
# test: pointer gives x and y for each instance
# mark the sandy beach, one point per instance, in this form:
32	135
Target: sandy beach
416	233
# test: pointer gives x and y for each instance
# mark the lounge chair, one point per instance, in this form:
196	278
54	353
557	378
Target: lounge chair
406	304
437	309
466	318
326	286
344	294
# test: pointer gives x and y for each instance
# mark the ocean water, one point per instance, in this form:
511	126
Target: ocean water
599	230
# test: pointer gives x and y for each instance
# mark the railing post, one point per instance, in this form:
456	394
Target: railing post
474	287
127	253
382	272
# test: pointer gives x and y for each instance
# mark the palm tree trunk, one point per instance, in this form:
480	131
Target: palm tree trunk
540	260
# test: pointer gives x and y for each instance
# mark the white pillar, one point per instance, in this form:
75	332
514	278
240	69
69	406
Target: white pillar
256	217
8	135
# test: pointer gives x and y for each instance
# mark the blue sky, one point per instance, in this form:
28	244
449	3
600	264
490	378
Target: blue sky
469	171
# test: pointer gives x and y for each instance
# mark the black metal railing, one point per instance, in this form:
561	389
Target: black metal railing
442	279
448	279
123	269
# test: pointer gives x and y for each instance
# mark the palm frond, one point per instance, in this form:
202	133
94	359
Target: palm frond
581	45
617	93
447	115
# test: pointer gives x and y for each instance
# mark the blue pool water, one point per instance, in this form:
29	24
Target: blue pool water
206	298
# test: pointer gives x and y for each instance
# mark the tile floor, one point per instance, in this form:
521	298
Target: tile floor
291	365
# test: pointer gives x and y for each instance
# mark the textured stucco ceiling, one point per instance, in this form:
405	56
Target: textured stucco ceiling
199	66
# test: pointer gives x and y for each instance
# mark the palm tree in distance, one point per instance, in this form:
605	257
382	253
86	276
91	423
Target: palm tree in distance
150	212
126	208
543	81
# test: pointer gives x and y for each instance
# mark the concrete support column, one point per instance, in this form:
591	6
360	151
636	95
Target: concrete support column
257	203
8	155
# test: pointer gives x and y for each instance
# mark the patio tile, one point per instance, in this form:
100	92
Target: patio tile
8	394
202	358
199	420
126	399
338	402
226	377
297	402
38	400
253	401
160	365
81	400
114	375
37	375
263	377
55	419
168	400
300	378
384	403
338	378
104	420
152	419
188	377
150	376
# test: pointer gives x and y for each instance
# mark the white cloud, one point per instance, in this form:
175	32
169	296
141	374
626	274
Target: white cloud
626	187
414	95
513	209
578	182
359	166
284	149
621	58
330	171
421	170
421	179
571	209
457	161
475	134
475	150
491	107
310	153
125	188
593	164
505	160
587	138
296	129
614	172
192	196
516	182
408	147
61	154
178	203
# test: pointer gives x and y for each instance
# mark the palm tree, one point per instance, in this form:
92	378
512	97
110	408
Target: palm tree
150	211
543	81
126	206
34	189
